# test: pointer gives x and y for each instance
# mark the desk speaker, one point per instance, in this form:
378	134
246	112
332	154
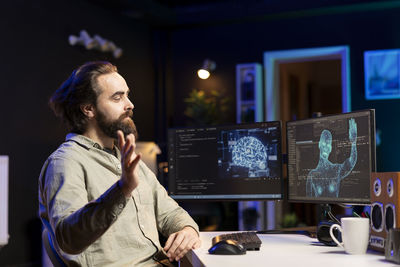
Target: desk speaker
392	246
385	208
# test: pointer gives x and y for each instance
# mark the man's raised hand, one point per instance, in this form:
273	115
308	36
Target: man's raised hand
129	161
352	130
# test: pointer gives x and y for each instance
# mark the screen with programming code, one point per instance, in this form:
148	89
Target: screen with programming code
330	158
235	162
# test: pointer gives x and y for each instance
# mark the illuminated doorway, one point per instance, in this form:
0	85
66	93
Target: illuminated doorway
298	83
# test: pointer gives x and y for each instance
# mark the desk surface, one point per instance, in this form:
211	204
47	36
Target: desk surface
285	250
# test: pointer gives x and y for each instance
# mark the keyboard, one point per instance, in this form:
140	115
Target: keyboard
249	240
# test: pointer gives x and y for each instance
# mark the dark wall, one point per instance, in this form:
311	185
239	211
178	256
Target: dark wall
234	43
35	59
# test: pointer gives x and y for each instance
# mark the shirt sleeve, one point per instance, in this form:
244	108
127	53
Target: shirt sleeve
170	216
75	221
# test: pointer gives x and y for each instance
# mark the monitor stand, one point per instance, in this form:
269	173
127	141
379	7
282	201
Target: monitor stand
325	222
324	211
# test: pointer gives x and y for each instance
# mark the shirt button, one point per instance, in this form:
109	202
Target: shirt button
121	206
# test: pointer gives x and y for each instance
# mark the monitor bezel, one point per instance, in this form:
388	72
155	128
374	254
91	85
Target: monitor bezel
372	154
220	197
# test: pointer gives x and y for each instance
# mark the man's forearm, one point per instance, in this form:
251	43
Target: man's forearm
83	227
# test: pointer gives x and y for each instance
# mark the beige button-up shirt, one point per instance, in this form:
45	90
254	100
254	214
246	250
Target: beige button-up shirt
92	222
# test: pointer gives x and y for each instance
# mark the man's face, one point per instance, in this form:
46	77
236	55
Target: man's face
113	107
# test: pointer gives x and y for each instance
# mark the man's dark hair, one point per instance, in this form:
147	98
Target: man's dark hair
80	88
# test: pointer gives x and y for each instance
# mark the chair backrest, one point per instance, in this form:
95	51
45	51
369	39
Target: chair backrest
51	251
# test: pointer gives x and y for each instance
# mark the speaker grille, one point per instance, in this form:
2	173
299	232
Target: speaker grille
389	217
377	187
390	188
377	217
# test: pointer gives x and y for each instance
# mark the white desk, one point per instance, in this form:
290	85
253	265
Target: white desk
285	250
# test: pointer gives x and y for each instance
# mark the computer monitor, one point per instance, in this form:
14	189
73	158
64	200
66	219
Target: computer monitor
330	158
235	162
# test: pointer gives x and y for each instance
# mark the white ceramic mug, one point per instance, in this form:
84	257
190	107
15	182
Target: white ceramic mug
355	234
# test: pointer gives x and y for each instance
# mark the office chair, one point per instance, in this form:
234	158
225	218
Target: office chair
51	251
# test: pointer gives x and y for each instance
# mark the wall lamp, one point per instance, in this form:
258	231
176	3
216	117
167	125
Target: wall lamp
208	66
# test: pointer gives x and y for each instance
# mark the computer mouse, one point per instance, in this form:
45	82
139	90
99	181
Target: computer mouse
227	247
324	236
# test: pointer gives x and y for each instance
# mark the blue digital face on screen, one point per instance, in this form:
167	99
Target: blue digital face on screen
325	179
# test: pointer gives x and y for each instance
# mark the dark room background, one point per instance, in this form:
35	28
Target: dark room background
159	64
36	59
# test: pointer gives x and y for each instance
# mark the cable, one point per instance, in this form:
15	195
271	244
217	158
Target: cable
344	206
333	218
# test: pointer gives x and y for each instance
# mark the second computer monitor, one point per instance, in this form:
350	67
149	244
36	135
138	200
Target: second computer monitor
236	162
330	158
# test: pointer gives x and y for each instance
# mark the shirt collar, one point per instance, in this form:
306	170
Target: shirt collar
82	140
87	142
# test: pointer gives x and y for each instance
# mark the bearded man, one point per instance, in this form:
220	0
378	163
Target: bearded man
100	203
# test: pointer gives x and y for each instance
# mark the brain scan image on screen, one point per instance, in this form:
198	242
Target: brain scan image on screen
325	179
249	152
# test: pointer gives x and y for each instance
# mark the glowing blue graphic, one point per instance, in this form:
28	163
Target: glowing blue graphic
383	71
325	179
249	152
382	74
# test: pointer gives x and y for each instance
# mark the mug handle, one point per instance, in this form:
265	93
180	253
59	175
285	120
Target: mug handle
333	226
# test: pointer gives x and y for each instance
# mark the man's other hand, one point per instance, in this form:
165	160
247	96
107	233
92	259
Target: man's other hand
179	243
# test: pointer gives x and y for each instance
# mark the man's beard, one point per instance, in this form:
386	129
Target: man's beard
123	123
